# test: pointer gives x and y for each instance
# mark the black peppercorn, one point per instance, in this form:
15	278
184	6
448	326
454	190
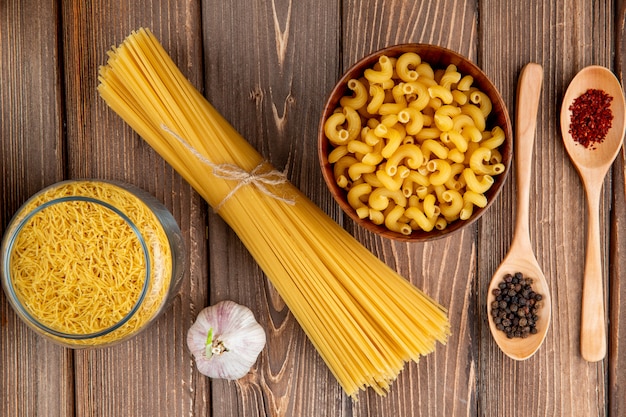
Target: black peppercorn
516	306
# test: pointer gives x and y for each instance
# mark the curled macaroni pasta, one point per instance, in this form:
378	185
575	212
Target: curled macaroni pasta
359	168
452	204
455	182
456	156
440	171
420	90
450	76
419	178
443	117
412	118
333	128
457	140
483	102
425	71
337	153
357	195
379	198
359	99
459	97
474	183
382	75
411	154
368	136
353	120
393	223
340	169
420	218
496	139
378	97
394	140
476	114
356	146
441	92
478	159
431	209
465	83
405	66
477	199
430	147
411	146
376	216
389	182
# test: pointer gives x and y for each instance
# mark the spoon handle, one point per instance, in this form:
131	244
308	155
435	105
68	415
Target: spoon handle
592	326
528	94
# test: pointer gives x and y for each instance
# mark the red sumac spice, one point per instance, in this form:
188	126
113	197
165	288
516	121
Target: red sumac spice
591	118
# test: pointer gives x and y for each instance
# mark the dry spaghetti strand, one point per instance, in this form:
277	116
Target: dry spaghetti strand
364	319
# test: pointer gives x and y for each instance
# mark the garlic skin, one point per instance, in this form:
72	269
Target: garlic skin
225	340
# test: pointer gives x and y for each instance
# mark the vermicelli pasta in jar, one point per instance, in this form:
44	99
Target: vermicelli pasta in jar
90	263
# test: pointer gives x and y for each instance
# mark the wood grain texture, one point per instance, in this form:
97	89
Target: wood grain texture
444	269
268	65
31	157
153	373
556	381
617	256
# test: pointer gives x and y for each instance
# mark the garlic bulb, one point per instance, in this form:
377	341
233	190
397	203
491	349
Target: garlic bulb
225	340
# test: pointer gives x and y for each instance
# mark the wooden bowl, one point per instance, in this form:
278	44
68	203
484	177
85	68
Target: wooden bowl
438	57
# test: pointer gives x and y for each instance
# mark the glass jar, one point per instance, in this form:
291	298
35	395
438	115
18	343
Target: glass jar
90	262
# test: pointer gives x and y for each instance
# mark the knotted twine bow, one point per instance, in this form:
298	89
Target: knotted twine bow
260	180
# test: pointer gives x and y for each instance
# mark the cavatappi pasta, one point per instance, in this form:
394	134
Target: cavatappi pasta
419	155
364	319
88	262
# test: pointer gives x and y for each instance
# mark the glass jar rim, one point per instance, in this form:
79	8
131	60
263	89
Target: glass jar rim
24	311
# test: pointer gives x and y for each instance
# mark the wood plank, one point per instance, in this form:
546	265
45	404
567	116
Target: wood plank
556	380
617	257
152	374
269	66
617	295
444	269
284	56
35	375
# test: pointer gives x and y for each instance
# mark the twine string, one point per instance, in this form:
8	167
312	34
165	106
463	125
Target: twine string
261	180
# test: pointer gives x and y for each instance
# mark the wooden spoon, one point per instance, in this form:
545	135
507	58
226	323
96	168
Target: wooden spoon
592	166
520	257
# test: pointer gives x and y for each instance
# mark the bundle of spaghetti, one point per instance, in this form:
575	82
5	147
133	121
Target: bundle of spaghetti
365	320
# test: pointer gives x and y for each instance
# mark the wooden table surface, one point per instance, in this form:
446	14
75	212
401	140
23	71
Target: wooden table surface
268	66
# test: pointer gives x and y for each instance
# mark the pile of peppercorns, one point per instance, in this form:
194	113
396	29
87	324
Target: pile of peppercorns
515	308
